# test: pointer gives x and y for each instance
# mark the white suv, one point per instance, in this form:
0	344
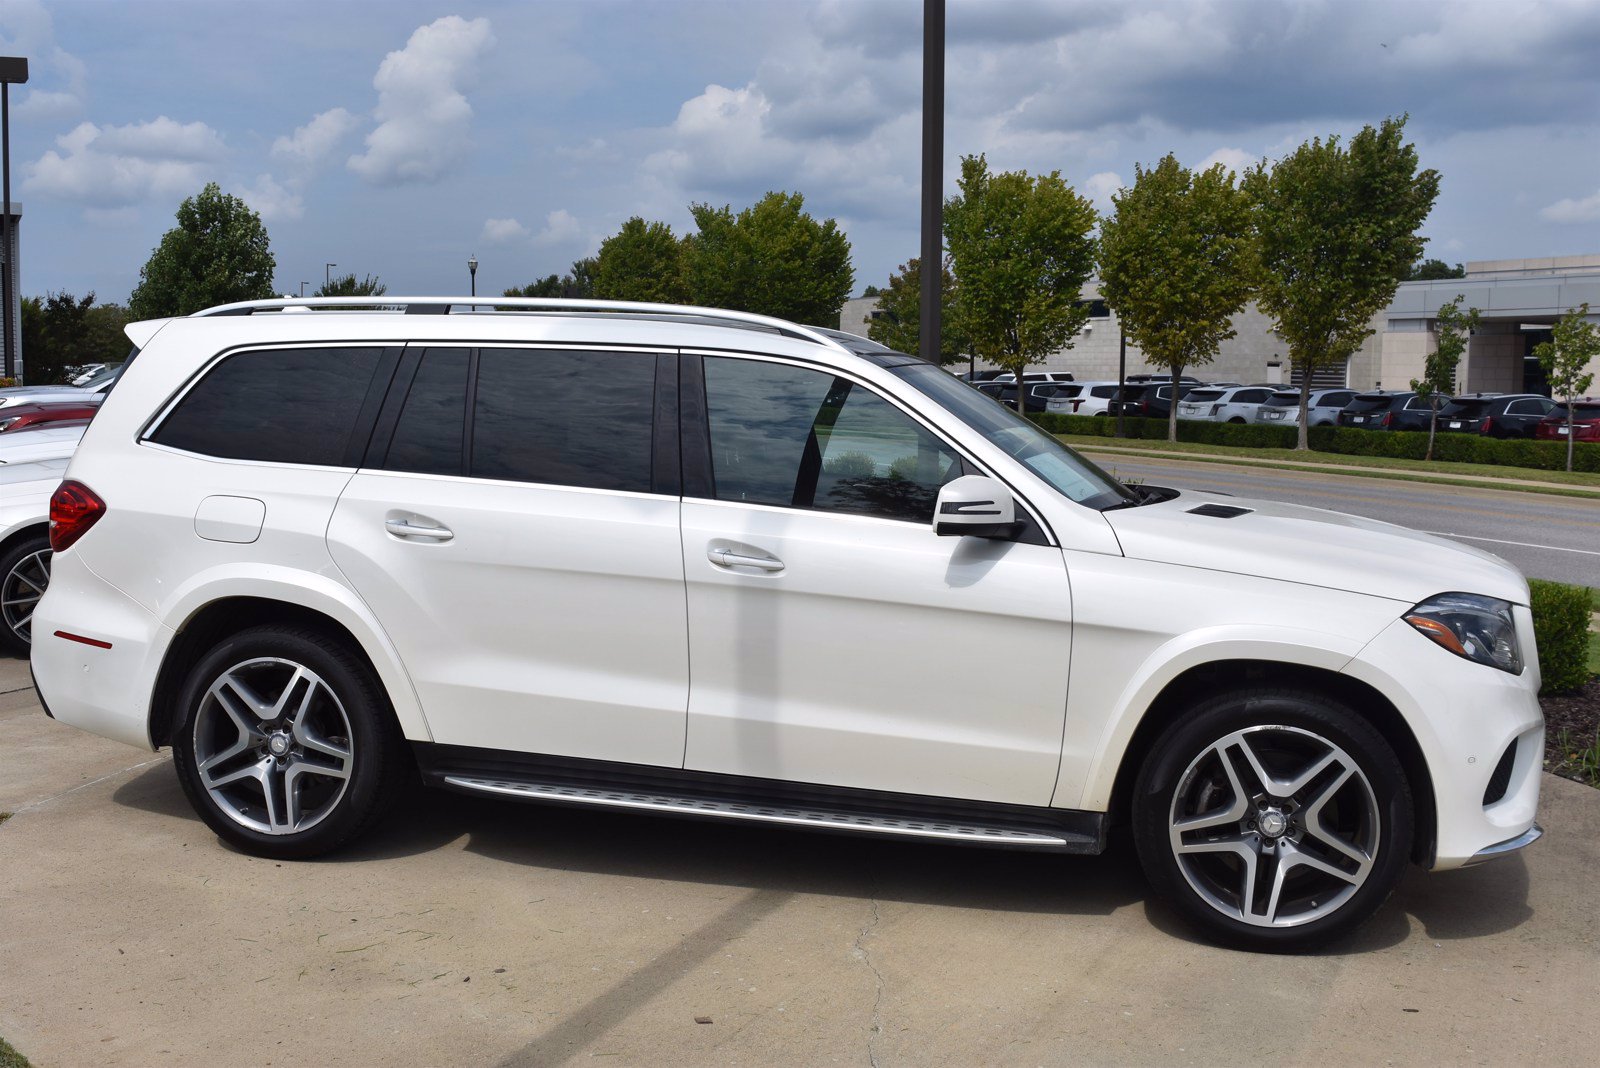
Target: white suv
705	564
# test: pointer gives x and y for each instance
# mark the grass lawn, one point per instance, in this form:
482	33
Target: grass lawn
1375	466
10	1058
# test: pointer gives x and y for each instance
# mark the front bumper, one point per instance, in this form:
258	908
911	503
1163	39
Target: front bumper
1509	846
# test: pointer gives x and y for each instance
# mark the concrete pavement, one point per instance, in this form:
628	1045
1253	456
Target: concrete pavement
469	932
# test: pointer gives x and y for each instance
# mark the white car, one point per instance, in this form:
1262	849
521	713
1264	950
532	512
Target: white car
1082	398
1223	404
25	490
98	385
48	441
1035	377
1323	406
317	553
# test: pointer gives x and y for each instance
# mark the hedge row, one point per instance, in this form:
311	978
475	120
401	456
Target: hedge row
1402	444
1561	630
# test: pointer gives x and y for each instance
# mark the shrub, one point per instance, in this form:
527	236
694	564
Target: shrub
1561	630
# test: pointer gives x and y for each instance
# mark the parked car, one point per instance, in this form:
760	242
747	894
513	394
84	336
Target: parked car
1142	378
1149	400
1386	410
1039	393
1495	415
25	490
1035	376
45	441
82	376
1323	407
311	600
13	396
1082	398
21	416
1585	422
1223	404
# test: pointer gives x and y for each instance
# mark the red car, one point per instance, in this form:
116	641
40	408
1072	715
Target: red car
1585	422
19	416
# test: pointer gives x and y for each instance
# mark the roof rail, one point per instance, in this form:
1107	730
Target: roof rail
443	305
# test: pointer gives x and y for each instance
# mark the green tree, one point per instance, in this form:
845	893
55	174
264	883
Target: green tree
1336	229
31	330
1021	248
577	284
900	325
871	291
1431	270
772	258
218	253
548	286
1574	344
348	286
1177	263
1452	328
55	337
642	261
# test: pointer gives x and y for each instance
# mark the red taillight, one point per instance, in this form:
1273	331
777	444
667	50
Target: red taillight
1388	420
1488	421
74	508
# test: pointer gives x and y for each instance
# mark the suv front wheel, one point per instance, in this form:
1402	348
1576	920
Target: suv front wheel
287	747
1273	819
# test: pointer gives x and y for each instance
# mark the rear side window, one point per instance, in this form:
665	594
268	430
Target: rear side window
564	418
1103	391
292	406
1252	396
430	434
1334	400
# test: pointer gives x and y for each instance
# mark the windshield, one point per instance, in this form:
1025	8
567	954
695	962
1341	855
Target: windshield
1464	409
1368	402
108	375
1283	400
1203	394
1579	411
1068	473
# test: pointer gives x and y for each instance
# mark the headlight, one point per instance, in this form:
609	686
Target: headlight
1479	628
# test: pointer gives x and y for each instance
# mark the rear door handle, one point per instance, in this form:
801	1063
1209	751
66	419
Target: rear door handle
729	558
404	528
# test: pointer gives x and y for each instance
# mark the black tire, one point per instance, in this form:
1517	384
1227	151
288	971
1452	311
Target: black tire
1184	777
20	572
1236	419
349	712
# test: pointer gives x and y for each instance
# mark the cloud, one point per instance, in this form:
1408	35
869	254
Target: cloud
1236	160
116	166
58	80
316	140
424	121
560	227
501	231
1099	188
1569	210
273	199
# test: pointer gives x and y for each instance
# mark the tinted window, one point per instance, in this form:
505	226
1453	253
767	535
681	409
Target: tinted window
1418	404
1103	391
564	418
1369	402
293	406
1252	396
1284	400
433	421
1204	394
1335	400
788	436
1527	407
1465	409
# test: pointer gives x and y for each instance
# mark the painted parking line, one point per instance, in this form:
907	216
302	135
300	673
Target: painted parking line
1502	541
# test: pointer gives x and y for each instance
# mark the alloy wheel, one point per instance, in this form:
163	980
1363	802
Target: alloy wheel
20	590
272	746
1274	826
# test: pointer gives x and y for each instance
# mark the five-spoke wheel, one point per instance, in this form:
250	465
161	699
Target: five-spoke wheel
287	747
1273	819
24	575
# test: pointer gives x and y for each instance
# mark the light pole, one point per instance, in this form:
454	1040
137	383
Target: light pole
13	71
327	277
303	288
472	269
932	267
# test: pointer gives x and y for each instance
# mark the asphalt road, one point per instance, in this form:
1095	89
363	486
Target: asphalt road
1545	536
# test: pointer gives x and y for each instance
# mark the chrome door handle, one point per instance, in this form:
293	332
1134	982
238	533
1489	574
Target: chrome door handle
406	529
729	558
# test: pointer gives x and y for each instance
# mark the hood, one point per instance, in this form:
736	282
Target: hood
1313	546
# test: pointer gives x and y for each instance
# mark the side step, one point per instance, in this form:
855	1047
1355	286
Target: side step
703	795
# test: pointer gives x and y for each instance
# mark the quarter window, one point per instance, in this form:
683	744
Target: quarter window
293	406
564	418
792	437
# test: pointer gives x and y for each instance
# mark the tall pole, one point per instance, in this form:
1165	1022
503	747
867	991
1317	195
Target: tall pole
931	269
5	227
1122	369
472	270
327	277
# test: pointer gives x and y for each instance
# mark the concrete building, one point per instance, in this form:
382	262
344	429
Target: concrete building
1519	300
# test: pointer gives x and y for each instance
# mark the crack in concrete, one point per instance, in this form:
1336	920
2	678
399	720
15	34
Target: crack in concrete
861	954
85	785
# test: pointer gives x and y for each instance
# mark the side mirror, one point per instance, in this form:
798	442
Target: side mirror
975	506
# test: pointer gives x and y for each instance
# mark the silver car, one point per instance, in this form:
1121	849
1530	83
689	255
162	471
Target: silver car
96	386
1082	398
1223	404
1283	407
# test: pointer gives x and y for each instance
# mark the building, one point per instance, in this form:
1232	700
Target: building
1518	300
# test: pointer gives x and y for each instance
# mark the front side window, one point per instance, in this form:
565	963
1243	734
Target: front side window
564	418
798	438
292	406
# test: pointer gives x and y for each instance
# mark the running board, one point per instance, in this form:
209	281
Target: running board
702	795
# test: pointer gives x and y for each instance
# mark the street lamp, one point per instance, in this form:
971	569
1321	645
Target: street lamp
13	71
327	277
929	345
303	288
472	269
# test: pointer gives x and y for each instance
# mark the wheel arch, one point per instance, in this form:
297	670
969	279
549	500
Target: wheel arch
23	531
205	625
1221	676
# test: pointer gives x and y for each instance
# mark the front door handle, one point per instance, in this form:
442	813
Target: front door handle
404	528
730	558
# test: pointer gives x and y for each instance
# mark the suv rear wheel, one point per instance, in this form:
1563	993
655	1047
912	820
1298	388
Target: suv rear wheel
1273	819
287	748
24	574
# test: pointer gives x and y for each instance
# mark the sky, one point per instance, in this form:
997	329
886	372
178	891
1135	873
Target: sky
399	138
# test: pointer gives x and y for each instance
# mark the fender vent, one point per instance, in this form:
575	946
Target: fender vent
1220	511
1500	780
